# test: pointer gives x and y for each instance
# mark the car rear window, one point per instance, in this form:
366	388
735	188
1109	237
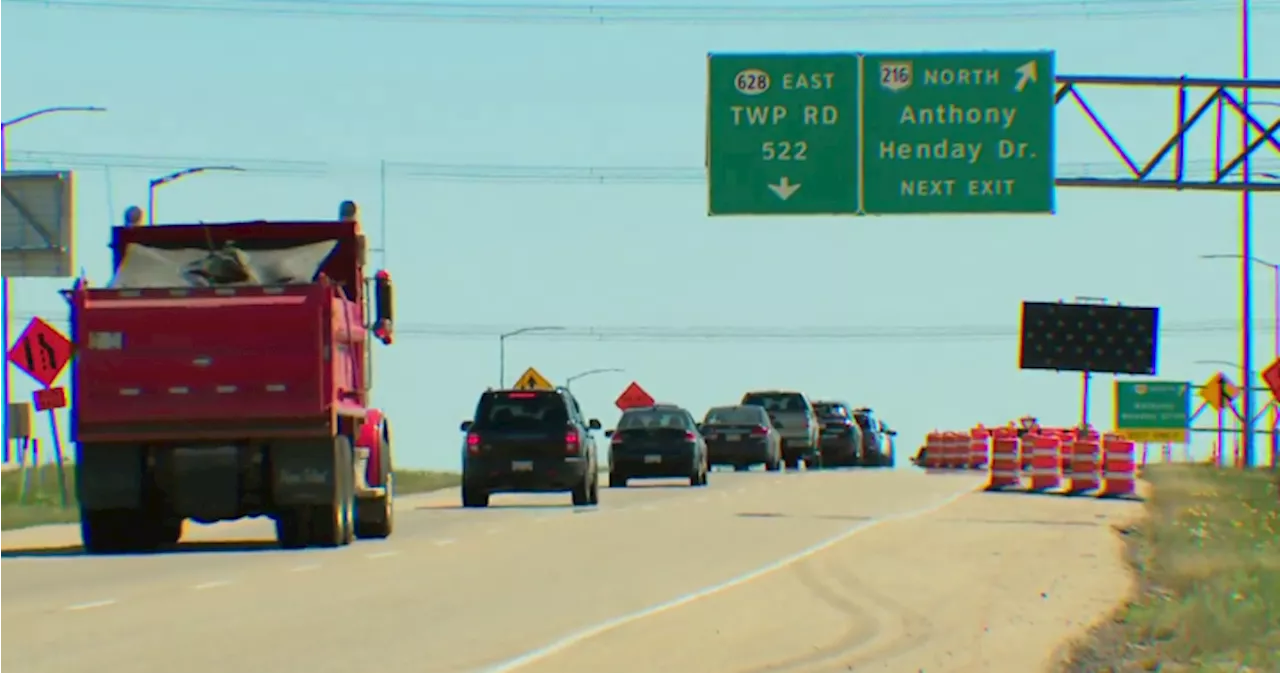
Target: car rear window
830	410
653	418
864	421
733	416
775	402
521	409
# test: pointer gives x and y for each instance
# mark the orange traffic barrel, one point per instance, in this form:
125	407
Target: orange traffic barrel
1083	473
1003	472
979	448
1119	468
1045	466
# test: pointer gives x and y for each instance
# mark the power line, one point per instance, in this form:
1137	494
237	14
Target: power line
724	333
453	172
672	13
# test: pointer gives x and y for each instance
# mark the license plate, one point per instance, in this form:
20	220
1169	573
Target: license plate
522	466
651	459
733	438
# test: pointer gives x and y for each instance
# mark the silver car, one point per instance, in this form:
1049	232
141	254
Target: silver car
793	416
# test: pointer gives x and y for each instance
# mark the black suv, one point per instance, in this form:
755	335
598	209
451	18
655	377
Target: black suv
657	442
529	441
842	436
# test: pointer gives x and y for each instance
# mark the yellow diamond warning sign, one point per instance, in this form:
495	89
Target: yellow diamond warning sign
531	379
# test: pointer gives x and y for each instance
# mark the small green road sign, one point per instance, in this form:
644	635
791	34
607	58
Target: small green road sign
1154	411
782	132
958	133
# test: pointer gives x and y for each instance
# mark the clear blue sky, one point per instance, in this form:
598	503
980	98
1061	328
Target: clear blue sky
312	104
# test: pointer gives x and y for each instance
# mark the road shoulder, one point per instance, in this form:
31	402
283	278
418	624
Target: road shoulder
993	582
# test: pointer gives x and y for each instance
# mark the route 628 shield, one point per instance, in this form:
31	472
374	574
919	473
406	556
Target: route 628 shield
895	75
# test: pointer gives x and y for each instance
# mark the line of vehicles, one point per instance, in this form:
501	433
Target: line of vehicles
226	371
537	441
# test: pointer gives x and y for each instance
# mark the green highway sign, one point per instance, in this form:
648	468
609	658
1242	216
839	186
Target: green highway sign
958	133
880	134
1154	411
782	133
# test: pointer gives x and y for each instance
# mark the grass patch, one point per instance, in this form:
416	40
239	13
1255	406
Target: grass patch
1207	561
408	482
42	502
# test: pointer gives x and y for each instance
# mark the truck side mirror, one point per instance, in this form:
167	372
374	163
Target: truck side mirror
384	307
608	433
466	426
593	424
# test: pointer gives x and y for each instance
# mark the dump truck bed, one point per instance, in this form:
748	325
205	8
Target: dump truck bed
201	362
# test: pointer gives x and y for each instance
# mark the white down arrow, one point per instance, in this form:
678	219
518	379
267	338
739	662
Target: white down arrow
784	189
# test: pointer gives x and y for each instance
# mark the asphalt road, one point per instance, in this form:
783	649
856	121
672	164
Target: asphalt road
757	573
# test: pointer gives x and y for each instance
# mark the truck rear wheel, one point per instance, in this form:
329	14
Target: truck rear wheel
330	524
106	531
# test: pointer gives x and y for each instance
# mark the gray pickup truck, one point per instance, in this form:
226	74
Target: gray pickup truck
793	416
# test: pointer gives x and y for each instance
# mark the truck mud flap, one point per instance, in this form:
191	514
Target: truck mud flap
206	481
109	476
303	472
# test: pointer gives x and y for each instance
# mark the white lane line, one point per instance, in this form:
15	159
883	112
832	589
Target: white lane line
445	542
381	554
572	639
306	568
211	585
90	605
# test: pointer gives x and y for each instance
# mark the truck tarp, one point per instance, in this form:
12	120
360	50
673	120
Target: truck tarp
143	266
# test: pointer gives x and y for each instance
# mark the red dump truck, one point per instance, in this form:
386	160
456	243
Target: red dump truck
226	372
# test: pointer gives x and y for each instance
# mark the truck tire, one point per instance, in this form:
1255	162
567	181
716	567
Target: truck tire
168	530
293	529
332	523
474	496
375	517
116	531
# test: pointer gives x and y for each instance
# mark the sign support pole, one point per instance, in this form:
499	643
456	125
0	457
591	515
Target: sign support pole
57	456
1085	377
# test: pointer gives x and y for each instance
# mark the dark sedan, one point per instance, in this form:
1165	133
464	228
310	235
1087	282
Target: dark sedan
742	436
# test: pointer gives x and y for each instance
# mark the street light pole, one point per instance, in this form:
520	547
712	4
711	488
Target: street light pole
590	372
502	347
156	183
4	280
1247	384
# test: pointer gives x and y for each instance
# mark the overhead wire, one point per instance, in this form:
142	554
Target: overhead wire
459	172
665	13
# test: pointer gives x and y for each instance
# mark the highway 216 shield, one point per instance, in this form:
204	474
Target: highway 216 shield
896	75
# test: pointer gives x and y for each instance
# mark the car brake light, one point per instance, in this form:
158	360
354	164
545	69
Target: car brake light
521	396
760	430
571	444
617	438
689	436
473	442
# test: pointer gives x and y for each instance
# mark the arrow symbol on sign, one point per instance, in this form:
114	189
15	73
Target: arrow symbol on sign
1027	74
784	189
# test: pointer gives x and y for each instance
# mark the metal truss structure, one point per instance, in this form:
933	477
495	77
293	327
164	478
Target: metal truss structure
1224	100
